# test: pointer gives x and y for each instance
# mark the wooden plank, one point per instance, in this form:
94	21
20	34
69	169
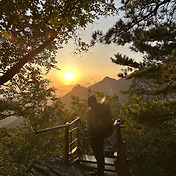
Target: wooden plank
94	165
73	129
73	141
73	151
106	173
52	128
90	161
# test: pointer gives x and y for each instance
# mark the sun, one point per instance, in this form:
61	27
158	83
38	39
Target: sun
69	76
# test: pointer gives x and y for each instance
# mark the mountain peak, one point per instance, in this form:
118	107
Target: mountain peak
108	86
78	90
77	87
108	78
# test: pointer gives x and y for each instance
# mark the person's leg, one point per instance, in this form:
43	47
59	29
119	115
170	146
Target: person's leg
97	145
100	158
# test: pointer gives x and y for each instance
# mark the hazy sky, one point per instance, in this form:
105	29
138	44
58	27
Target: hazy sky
89	67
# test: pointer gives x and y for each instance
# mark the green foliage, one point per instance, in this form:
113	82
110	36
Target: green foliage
33	31
19	149
29	102
78	107
149	28
150	150
155	112
149	132
150	113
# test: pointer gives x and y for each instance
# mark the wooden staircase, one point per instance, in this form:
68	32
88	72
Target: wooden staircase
77	150
90	161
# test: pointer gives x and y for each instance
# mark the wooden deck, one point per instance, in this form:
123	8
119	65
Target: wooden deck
90	161
76	142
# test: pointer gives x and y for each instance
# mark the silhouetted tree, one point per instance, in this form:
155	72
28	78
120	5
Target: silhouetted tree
32	32
149	27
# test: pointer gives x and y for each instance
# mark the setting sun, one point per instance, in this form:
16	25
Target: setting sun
68	76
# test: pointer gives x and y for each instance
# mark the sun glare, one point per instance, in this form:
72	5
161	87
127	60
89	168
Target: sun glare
68	76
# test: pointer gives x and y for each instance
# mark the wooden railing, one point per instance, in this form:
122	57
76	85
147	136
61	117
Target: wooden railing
76	142
121	162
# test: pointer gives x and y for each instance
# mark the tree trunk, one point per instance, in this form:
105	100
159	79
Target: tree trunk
16	68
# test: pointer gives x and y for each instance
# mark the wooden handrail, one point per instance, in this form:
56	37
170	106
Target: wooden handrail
78	118
68	135
76	143
117	122
52	128
58	127
121	163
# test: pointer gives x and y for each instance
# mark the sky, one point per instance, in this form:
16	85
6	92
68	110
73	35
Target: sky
90	67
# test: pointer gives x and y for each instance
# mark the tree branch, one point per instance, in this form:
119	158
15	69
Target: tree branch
16	68
151	13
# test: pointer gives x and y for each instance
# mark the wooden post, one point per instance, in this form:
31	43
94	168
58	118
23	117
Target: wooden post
66	143
121	163
78	141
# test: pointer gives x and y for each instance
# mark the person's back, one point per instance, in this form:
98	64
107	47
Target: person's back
96	117
99	120
89	121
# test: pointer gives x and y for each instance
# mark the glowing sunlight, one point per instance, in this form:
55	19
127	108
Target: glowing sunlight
68	76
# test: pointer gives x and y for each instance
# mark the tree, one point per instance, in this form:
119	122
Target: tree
32	31
149	27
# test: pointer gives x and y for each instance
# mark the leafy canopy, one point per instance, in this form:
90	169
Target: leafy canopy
31	32
34	30
149	27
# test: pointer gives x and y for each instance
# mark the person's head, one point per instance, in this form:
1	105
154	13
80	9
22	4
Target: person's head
91	101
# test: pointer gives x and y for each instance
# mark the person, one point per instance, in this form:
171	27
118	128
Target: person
96	142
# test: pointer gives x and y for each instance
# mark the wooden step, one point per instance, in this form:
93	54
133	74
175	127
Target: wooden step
90	161
42	169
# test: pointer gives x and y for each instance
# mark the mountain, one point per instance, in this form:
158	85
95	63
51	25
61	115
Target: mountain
111	86
78	90
108	86
12	122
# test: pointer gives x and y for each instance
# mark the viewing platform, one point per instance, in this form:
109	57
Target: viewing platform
77	159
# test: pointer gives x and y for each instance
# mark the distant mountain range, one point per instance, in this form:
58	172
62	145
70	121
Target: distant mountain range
108	86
